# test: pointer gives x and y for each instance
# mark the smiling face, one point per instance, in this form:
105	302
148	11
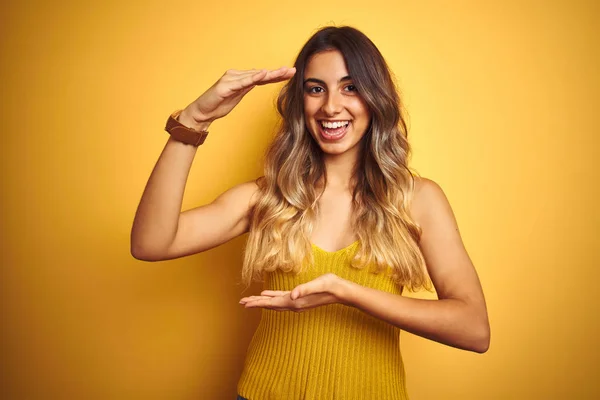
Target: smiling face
336	115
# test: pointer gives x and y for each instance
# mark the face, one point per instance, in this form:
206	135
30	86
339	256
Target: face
335	113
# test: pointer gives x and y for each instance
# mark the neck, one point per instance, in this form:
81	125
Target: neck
339	169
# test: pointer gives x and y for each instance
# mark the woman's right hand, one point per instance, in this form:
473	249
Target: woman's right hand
227	92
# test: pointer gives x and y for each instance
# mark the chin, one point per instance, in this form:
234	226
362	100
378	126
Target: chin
334	148
337	148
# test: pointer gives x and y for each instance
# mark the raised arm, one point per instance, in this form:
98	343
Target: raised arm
160	230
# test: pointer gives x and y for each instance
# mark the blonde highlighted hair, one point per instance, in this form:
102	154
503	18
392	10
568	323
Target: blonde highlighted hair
283	218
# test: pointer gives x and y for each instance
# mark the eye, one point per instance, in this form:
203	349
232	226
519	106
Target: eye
315	89
351	88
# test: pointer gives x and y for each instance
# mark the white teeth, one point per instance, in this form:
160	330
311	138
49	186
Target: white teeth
334	125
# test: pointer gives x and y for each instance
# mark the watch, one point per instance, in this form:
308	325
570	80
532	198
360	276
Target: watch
182	133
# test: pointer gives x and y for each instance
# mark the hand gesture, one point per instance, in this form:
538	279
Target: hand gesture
318	292
227	92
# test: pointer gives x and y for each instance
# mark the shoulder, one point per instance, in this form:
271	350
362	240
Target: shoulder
426	188
243	194
429	201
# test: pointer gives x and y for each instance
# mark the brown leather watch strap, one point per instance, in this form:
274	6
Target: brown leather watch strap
182	133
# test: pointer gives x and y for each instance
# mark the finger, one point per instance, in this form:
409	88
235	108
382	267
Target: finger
276	303
274	292
296	293
300	290
260	77
253	298
279	70
236	72
267	306
312	287
260	303
240	75
236	75
278	75
255	304
245	81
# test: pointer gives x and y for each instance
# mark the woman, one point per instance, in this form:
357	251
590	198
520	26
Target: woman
338	226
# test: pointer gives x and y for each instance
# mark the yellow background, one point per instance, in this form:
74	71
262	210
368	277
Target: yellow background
503	103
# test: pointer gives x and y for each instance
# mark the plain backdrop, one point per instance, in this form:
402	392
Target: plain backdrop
502	98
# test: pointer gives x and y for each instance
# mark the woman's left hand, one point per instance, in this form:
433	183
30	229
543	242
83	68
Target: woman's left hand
318	292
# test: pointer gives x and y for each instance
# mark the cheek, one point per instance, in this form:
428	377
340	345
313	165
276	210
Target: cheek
310	107
308	116
359	108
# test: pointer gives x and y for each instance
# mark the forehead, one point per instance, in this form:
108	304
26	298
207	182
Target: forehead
326	64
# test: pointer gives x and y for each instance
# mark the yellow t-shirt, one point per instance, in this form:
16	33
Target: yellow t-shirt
329	352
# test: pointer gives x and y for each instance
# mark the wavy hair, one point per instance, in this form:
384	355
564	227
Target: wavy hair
284	216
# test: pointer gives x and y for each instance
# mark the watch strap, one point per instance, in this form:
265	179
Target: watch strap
182	133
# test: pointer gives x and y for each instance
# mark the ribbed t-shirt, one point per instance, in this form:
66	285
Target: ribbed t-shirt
325	353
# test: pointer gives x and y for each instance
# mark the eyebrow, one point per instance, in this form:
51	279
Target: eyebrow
320	82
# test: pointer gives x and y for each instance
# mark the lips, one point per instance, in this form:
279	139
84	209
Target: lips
333	134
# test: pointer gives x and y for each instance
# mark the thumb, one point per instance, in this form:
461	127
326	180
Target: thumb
297	292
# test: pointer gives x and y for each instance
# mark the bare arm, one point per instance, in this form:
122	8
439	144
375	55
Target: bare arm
160	230
157	216
211	225
459	317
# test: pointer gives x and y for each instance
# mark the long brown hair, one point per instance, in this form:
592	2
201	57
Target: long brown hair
284	215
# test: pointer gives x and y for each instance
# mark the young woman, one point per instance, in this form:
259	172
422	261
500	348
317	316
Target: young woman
338	226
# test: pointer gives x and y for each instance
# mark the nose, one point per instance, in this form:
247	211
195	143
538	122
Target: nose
333	103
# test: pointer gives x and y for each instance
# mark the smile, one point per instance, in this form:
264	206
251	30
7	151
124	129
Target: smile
334	124
333	130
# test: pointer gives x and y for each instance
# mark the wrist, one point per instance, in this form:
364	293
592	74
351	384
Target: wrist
343	290
195	122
